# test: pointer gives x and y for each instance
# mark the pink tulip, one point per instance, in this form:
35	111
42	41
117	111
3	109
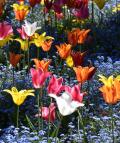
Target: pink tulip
55	85
5	30
22	33
48	113
59	16
39	77
75	93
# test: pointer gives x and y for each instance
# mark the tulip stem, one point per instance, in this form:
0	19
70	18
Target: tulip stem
41	107
84	132
38	51
116	3
92	11
28	56
112	124
48	126
58	127
17	119
13	76
38	102
80	48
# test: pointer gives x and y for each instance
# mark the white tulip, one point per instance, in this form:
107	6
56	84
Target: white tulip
30	28
65	103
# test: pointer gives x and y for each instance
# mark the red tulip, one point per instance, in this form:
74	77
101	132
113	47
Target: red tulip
55	85
48	113
14	59
39	77
75	92
48	4
34	2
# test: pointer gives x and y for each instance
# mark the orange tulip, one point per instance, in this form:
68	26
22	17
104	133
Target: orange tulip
77	36
82	35
78	58
64	50
20	11
14	59
111	92
117	87
73	37
84	73
47	45
42	64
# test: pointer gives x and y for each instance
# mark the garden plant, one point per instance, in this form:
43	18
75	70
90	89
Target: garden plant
59	71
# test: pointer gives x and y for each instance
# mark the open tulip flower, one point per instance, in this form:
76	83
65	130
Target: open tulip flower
64	50
19	96
38	77
75	92
111	90
21	11
47	113
42	41
78	57
29	28
107	81
73	36
65	103
6	32
55	85
47	45
14	59
84	73
77	36
43	64
82	35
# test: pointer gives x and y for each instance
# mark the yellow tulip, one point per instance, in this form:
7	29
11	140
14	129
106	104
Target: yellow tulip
23	43
100	3
39	40
20	7
107	81
19	96
116	8
69	61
